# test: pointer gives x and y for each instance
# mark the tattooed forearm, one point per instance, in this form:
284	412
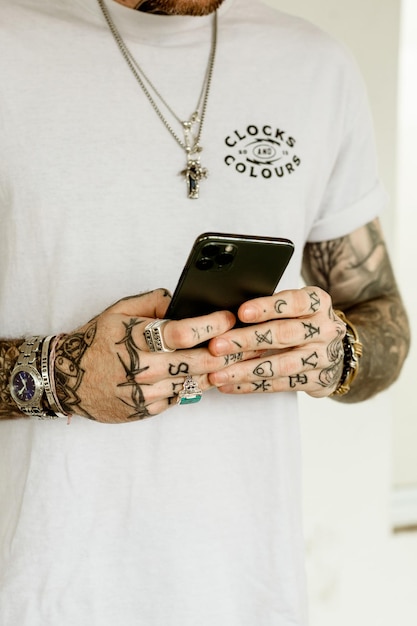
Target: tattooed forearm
357	273
353	269
384	332
8	356
319	259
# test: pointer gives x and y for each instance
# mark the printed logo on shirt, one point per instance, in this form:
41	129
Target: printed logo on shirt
262	152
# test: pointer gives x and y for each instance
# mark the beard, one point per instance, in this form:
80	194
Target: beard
179	7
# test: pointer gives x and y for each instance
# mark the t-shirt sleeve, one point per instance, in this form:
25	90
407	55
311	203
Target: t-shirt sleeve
354	194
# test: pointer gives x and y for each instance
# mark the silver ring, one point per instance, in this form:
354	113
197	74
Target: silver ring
191	392
154	338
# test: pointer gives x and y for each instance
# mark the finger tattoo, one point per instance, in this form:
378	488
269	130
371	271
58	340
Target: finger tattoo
298	379
196	334
175	370
233	358
263	337
264	370
264	385
311	360
279	305
310	330
314	301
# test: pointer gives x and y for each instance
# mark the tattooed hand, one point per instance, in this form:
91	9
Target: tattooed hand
303	342
104	370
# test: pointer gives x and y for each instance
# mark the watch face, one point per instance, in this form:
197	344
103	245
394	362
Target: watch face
24	386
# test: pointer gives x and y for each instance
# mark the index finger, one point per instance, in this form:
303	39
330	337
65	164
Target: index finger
284	304
190	332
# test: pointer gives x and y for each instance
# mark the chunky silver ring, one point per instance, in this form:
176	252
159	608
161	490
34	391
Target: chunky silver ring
191	392
154	338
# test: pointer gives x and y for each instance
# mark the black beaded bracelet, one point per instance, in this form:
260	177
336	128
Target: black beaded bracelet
353	350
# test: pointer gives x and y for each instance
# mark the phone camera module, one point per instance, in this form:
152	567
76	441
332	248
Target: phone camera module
216	257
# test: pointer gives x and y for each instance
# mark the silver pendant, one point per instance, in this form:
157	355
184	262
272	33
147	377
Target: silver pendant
193	174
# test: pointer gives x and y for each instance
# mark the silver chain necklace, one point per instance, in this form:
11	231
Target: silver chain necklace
192	127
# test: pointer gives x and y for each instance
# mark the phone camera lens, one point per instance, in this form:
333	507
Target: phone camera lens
204	264
224	258
211	250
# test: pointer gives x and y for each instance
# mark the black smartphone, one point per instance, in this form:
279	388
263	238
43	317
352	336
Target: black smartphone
225	270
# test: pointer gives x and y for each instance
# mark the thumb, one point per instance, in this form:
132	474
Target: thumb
151	304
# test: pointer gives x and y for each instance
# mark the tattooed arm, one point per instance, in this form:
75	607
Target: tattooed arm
355	270
8	357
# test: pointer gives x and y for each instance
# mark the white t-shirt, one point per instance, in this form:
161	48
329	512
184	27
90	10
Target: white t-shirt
192	517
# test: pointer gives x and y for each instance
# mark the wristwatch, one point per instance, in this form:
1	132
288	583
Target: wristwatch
26	384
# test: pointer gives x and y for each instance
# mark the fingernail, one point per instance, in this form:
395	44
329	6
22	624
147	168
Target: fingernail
220	378
220	346
248	314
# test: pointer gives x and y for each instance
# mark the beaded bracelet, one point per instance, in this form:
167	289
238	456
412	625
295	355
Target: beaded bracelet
353	350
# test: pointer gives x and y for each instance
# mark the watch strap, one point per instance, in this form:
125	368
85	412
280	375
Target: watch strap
28	359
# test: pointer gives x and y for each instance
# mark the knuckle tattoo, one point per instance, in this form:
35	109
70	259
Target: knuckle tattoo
314	301
310	330
311	361
175	370
298	379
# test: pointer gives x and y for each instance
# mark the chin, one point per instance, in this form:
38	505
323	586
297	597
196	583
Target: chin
180	7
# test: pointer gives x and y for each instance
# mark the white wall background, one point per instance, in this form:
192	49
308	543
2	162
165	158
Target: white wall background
405	424
353	455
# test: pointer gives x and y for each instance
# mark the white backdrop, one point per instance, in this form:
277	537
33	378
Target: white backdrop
348	465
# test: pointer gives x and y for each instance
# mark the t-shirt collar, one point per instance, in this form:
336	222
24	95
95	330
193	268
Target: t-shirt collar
147	26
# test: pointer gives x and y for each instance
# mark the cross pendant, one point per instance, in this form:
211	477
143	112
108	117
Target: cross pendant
193	174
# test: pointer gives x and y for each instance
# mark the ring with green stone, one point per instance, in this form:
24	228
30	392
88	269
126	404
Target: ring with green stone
191	392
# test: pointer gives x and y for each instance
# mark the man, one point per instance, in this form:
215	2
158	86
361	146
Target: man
192	516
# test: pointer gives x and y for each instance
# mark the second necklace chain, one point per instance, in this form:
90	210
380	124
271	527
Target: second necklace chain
191	128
